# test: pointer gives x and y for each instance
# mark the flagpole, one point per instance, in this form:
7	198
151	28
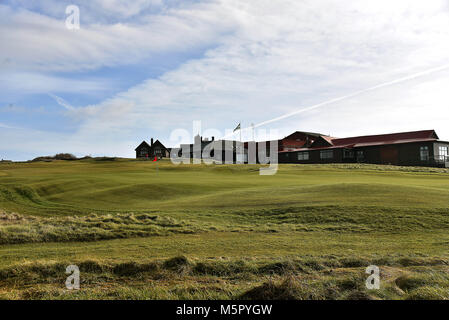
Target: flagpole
240	146
240	132
252	127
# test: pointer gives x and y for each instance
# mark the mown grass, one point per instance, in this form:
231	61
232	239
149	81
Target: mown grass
144	230
87	186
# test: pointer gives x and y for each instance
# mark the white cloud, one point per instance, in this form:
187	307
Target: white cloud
286	56
41	43
2	125
29	83
269	58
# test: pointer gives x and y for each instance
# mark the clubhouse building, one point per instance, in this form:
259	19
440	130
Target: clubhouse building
416	148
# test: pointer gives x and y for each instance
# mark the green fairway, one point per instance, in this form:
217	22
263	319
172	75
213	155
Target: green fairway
309	219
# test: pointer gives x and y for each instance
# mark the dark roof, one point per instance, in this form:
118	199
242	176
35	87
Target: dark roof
304	132
387	138
157	142
293	143
143	144
380	139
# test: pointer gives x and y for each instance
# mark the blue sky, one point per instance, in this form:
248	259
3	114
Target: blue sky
141	69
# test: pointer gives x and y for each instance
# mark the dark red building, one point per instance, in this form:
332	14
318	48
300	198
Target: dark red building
417	148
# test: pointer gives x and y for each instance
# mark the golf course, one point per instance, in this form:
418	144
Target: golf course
154	230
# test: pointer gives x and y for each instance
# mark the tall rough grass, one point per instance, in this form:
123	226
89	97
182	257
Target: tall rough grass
183	278
15	228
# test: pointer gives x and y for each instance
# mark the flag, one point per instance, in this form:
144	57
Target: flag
237	128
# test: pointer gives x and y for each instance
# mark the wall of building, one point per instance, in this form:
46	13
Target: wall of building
407	154
314	157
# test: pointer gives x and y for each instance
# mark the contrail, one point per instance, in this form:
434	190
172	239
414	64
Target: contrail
386	84
61	102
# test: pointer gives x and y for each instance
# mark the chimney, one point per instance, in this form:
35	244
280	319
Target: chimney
151	141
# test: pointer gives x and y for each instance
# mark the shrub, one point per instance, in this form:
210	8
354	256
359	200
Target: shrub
58	156
64	156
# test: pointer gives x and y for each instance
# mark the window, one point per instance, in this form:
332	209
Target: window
143	152
348	154
303	156
424	153
326	154
443	152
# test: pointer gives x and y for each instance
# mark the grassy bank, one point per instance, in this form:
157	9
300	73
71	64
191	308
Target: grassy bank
325	277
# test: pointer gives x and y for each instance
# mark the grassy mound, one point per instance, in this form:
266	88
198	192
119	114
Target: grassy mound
16	228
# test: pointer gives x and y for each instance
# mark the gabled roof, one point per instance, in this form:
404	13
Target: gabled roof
376	140
326	139
157	142
313	134
401	137
143	144
293	143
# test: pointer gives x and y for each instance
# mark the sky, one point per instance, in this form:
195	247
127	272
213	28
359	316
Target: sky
141	69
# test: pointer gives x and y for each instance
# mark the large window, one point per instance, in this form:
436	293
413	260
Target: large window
303	156
424	153
443	152
326	154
